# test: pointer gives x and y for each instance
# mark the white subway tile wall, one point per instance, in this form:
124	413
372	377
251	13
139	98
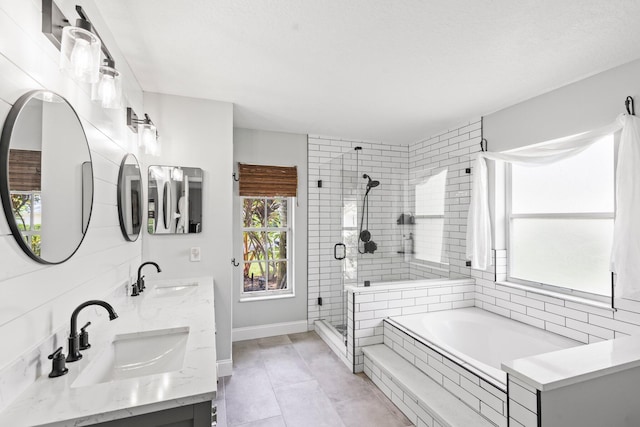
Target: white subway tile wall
563	316
371	307
397	167
451	149
480	395
523	403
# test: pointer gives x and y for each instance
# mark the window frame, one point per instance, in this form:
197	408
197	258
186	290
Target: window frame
509	216
289	229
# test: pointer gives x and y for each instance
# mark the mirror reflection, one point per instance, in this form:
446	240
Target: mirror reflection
47	187
130	197
175	200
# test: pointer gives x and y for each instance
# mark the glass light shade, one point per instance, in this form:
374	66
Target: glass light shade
108	89
148	139
80	54
177	174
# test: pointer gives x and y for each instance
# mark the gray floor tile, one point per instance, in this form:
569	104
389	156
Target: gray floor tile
285	366
246	354
337	381
249	396
274	341
306	405
220	391
297	381
309	345
269	422
221	410
369	411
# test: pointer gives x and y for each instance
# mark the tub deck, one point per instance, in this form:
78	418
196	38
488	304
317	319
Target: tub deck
480	340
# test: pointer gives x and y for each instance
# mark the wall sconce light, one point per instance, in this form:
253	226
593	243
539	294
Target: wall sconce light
80	48
177	174
146	130
108	89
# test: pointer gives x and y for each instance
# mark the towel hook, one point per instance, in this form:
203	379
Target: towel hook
233	261
629	103
484	145
235	178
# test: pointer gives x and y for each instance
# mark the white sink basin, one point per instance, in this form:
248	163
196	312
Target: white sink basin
137	355
174	290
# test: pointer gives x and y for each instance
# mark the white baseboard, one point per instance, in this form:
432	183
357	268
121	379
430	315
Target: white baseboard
263	331
225	368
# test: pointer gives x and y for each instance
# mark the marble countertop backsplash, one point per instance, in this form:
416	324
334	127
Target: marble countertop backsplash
44	401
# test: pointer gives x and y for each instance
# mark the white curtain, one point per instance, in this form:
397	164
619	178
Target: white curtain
625	254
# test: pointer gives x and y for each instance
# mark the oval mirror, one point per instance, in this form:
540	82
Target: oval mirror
47	182
130	198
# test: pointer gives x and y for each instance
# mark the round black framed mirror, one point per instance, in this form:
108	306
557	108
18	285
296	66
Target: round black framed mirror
130	198
46	186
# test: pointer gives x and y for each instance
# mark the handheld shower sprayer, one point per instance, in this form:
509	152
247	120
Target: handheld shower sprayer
364	235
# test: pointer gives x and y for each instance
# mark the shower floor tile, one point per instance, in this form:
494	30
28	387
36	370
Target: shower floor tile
319	390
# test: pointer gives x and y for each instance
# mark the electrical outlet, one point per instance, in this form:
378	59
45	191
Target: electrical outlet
194	255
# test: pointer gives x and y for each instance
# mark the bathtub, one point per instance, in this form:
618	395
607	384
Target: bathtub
479	340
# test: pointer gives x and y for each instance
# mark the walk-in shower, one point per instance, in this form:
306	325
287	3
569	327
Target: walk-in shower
358	238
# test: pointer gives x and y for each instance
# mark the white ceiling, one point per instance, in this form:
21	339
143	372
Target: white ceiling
385	70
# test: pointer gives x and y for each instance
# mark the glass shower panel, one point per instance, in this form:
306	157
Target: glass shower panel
330	238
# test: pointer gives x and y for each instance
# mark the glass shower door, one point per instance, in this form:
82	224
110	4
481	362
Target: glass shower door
338	239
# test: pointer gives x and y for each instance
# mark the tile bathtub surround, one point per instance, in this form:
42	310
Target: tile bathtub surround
367	307
59	401
421	399
523	403
483	397
296	380
567	316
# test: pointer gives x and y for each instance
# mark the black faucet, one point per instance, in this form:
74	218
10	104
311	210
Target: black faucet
74	342
139	285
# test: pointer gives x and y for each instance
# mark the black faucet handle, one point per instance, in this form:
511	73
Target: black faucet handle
58	367
84	337
134	289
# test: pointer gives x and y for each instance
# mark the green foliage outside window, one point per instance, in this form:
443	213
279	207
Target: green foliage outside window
264	221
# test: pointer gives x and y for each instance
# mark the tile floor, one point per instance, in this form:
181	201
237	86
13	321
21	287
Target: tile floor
296	381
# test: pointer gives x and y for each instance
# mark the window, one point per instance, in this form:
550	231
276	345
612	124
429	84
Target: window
27	212
560	220
266	240
429	219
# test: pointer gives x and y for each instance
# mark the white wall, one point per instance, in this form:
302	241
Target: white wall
278	149
578	107
197	133
36	300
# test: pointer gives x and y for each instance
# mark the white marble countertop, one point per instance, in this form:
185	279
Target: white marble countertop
561	368
55	402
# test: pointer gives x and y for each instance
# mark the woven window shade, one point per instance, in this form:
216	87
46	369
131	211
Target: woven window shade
24	170
268	181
